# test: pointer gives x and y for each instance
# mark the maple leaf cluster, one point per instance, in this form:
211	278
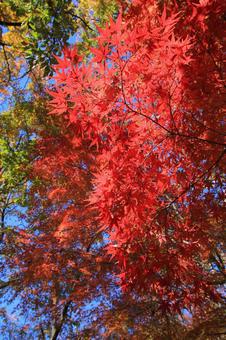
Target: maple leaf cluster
141	151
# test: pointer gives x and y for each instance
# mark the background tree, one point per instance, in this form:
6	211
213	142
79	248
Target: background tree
31	32
30	35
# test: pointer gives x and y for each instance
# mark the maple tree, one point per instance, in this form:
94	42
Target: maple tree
132	183
147	104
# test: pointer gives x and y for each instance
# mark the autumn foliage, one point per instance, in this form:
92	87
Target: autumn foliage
138	159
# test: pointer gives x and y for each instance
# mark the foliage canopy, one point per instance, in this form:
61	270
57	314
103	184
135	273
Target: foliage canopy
126	196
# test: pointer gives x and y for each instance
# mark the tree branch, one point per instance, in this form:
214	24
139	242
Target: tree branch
93	239
10	23
58	326
4	44
2	224
42	333
75	16
7	284
7	63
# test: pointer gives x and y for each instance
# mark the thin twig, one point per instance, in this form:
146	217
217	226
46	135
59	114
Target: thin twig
172	133
192	184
